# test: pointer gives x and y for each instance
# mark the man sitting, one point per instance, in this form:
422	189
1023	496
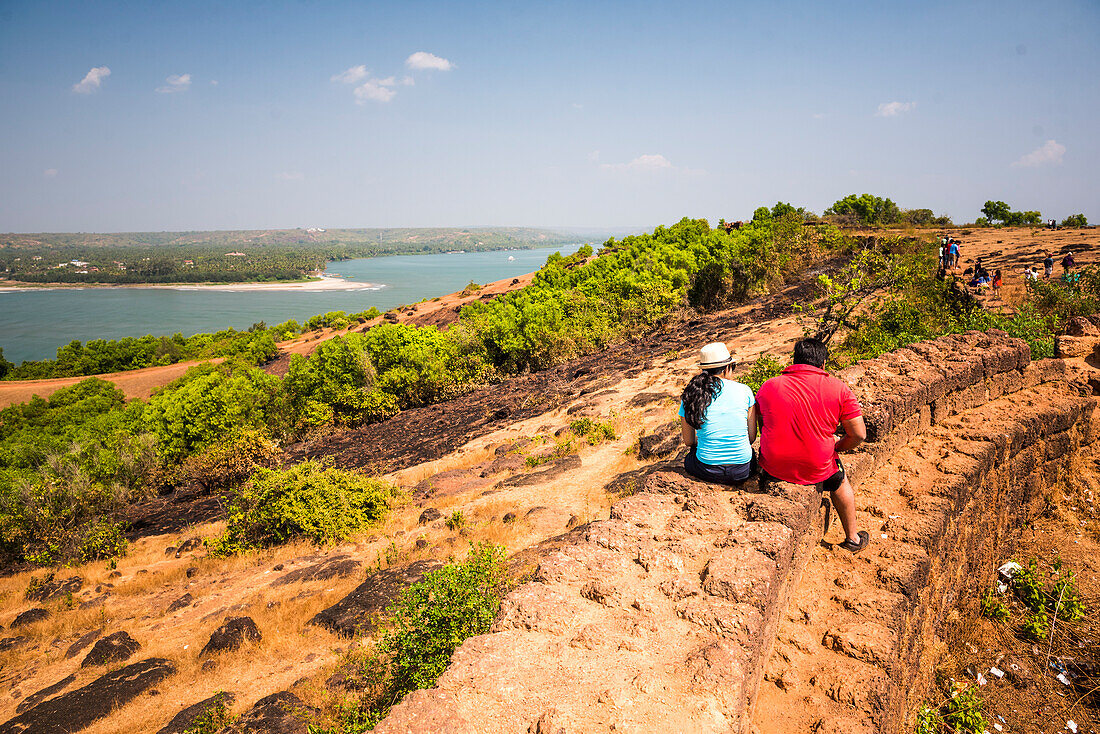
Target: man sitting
799	412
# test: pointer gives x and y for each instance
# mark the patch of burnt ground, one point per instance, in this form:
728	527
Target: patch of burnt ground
425	434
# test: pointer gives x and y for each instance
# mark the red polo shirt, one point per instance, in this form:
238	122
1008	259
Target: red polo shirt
799	413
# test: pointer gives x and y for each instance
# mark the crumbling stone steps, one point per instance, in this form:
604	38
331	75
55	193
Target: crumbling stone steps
657	621
855	650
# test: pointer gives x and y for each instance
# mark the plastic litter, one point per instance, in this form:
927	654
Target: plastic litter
1007	572
1072	726
981	680
997	672
998	727
1064	680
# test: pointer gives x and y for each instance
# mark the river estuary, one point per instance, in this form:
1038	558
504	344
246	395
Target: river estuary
34	322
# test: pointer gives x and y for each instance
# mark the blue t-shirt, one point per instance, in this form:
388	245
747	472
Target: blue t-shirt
724	435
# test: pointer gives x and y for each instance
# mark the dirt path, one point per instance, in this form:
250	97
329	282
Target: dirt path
134	383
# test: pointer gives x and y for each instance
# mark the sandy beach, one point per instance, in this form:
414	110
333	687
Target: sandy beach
322	283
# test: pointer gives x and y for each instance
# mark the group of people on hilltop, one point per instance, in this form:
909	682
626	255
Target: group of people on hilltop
949	253
1068	264
796	415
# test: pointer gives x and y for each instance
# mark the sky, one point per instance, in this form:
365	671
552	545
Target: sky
150	116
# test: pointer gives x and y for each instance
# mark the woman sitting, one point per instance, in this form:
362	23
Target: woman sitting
718	420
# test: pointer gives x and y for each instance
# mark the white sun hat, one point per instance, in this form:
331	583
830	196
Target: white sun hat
714	355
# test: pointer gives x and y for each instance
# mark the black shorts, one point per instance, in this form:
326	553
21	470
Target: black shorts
719	473
830	484
833	482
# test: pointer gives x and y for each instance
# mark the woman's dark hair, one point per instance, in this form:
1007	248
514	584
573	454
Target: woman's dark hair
699	394
812	352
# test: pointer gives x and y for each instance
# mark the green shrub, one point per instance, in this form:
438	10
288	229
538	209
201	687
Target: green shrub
1028	585
308	500
1036	627
1075	220
992	607
594	432
764	368
102	540
963	710
209	403
229	461
456	521
433	617
425	626
928	720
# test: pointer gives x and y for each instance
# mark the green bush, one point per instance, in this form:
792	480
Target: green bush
992	607
230	461
764	368
308	500
456	521
1075	220
1036	627
867	209
210	402
433	617
425	626
595	432
963	710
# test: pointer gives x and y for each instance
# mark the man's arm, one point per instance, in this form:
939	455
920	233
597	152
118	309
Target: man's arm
687	433
855	433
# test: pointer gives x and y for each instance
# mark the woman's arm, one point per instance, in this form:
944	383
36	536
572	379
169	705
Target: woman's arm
687	433
752	424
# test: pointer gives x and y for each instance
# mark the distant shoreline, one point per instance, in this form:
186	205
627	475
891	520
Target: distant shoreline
321	283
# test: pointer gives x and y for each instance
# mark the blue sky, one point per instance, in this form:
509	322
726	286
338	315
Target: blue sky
249	115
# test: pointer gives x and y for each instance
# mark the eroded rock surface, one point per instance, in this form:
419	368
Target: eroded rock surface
357	610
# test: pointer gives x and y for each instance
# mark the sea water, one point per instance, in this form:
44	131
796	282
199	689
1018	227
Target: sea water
34	322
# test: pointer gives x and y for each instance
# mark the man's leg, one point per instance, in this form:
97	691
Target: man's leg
844	500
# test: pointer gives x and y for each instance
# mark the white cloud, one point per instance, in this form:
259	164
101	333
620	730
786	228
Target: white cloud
375	90
175	83
647	162
289	176
49	172
213	82
408	81
425	60
578	106
893	109
820	115
92	80
1049	153
351	75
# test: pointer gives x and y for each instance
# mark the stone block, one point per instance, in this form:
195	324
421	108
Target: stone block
740	574
1052	370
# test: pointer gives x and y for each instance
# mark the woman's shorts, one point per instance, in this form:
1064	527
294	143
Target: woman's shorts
719	473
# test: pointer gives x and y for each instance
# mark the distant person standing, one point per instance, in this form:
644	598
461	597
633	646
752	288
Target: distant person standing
1048	266
1068	262
997	283
954	254
799	411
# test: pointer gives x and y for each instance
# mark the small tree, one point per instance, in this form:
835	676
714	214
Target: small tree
1073	220
996	211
